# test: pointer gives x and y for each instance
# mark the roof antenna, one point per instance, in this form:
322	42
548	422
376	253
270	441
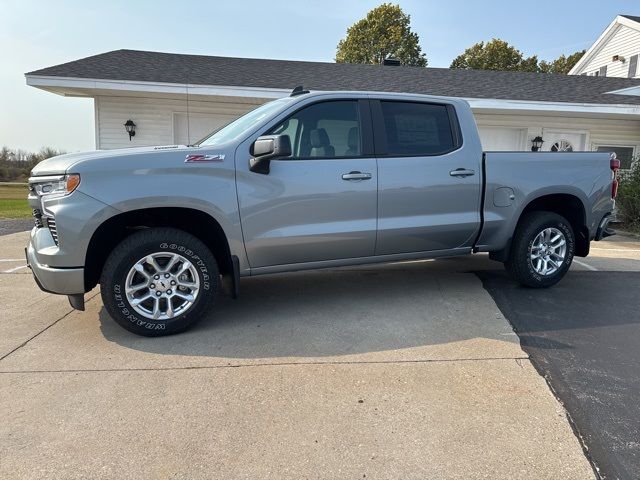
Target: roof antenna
299	90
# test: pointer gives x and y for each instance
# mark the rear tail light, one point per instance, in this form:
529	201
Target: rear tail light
614	163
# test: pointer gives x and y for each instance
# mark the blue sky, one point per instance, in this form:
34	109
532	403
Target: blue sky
37	34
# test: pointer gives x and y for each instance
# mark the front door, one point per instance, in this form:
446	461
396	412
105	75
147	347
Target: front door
563	141
320	203
428	180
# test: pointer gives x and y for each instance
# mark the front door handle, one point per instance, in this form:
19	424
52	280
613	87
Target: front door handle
462	172
356	176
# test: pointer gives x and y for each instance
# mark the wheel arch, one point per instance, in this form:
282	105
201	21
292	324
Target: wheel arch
116	228
567	205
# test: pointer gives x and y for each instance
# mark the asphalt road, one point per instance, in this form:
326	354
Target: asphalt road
14	225
583	336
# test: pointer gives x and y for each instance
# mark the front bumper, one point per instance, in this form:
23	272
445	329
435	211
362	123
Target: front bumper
63	281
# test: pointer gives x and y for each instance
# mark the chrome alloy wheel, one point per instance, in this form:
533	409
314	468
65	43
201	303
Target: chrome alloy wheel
162	285
548	251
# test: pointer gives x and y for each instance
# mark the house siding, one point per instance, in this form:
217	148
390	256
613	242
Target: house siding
624	41
600	131
154	118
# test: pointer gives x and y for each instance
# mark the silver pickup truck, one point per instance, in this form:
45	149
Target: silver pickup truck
313	180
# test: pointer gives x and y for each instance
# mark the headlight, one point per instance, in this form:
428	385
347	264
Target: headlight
54	186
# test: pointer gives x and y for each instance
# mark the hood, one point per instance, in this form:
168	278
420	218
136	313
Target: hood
65	163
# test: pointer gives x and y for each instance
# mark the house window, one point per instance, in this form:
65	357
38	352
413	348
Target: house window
633	66
624	154
562	146
603	71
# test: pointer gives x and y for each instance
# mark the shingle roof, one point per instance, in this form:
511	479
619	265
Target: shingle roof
137	65
632	17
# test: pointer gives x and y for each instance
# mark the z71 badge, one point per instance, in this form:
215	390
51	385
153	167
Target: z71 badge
198	157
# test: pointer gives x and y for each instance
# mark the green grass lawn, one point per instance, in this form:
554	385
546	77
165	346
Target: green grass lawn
13	201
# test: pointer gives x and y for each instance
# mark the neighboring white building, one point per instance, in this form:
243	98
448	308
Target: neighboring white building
178	99
615	52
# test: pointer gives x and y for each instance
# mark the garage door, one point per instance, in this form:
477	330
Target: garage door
502	139
189	130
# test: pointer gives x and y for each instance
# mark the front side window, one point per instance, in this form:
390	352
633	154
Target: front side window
415	129
323	130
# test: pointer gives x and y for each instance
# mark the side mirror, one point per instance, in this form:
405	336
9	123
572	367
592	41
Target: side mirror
266	148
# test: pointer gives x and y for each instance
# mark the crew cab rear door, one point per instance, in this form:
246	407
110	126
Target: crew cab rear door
428	184
320	203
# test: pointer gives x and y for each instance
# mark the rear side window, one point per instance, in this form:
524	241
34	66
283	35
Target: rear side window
415	129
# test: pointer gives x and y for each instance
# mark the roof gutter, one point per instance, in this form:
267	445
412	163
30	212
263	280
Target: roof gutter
71	83
82	85
532	105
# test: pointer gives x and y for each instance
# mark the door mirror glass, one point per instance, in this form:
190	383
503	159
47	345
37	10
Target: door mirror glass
266	148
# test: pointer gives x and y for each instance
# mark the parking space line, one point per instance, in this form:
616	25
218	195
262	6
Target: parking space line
11	259
585	265
617	249
11	270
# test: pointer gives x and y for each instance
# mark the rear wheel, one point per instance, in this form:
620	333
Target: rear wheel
542	250
159	281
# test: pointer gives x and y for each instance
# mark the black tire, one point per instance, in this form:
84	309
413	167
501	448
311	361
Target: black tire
519	265
151	242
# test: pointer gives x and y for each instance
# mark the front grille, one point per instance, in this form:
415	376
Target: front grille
37	218
51	224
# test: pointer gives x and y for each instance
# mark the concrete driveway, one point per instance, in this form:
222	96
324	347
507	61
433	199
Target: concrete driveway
399	371
584	337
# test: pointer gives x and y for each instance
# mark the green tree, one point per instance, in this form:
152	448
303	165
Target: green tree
15	165
561	64
385	32
495	55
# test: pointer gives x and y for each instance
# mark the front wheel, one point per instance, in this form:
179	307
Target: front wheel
542	250
159	281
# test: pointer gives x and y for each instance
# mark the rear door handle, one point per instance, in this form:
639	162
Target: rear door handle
462	172
356	176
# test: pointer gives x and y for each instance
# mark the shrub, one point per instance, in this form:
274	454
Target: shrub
628	200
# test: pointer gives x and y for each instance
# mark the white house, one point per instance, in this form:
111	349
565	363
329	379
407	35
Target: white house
615	52
177	99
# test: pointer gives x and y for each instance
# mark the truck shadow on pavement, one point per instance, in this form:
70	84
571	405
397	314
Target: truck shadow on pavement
338	312
375	309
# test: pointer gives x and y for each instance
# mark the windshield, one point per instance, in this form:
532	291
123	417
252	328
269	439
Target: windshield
245	122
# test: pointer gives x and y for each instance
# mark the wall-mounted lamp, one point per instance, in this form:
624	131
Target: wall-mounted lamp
536	143
130	127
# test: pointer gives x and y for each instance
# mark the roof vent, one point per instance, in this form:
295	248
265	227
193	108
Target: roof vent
299	90
391	61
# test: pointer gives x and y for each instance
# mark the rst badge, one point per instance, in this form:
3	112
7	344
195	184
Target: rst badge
198	157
